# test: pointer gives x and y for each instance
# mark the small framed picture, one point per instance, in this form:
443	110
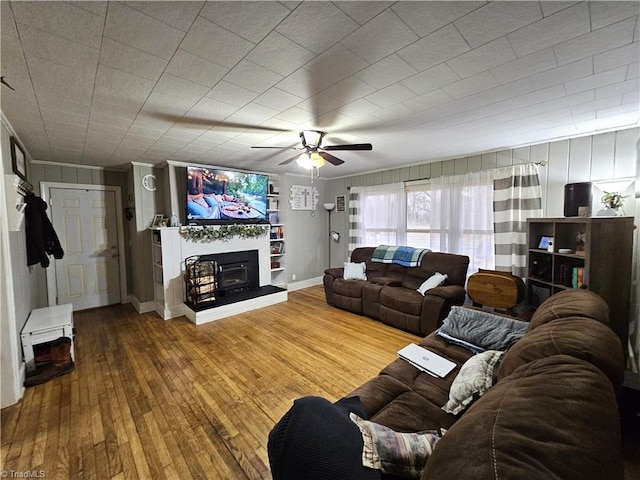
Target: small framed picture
18	159
340	203
158	220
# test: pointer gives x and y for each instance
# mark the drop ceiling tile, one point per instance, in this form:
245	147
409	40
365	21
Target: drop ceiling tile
131	60
42	45
111	84
59	87
565	73
135	29
363	11
368	43
431	79
348	90
483	58
496	19
208	40
390	95
387	71
428	100
61	19
329	25
359	109
320	104
252	114
598	41
597	80
196	69
231	94
435	48
395	112
336	64
180	87
549	8
633	70
252	21
619	88
427	17
115	108
68	118
525	66
606	13
209	111
626	55
179	15
277	99
303	83
470	85
559	27
252	76
279	54
596	105
162	108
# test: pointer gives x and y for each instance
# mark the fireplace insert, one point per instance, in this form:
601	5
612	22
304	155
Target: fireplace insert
233	278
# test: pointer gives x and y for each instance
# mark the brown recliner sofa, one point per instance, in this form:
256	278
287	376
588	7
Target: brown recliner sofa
552	412
390	292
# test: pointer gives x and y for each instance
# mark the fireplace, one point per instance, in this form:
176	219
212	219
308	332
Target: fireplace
214	277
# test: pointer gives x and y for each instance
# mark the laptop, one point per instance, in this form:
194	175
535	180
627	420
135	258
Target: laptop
426	360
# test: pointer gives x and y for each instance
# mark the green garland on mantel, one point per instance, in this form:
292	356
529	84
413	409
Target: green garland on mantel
208	233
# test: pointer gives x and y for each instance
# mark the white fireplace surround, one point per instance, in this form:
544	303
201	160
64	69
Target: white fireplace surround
176	249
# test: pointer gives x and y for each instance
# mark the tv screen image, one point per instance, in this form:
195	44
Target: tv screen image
226	196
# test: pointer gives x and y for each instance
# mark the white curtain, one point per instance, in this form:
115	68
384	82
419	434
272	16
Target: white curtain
377	216
462	217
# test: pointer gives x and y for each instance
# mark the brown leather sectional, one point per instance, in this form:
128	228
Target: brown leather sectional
390	292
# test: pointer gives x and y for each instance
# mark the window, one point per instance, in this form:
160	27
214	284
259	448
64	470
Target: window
380	215
454	215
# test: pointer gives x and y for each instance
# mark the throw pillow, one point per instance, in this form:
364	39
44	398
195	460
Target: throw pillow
354	271
433	281
392	452
473	380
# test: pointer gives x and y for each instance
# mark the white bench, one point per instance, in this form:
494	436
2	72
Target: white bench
45	325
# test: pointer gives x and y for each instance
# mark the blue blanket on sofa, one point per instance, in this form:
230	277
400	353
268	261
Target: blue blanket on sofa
405	256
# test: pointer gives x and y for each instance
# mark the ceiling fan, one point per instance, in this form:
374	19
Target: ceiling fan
315	155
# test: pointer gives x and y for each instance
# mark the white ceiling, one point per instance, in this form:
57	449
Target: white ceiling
109	83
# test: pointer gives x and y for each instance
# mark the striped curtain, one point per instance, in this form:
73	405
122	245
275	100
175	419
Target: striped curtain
516	197
354	231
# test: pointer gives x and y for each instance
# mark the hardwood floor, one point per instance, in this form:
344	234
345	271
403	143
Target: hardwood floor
153	399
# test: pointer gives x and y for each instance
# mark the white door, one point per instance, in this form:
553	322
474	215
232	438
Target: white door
85	220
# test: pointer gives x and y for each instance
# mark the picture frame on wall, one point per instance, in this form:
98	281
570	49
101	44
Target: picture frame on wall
18	159
340	203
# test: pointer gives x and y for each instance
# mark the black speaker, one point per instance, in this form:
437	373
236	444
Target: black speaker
576	195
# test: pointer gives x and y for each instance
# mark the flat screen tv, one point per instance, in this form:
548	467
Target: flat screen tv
225	196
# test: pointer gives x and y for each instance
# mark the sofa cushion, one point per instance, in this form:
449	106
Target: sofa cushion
402	300
348	288
433	281
354	271
571	303
578	337
395	453
475	378
550	418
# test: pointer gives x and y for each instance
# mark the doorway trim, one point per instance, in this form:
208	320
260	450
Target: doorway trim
45	188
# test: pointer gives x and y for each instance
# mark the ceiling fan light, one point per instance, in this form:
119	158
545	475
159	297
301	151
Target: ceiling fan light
304	161
316	160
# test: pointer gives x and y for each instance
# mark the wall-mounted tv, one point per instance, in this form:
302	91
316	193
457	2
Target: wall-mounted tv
217	196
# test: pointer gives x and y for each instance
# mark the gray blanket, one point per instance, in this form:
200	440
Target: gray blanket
479	331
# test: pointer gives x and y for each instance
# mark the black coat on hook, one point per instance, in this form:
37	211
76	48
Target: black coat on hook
42	240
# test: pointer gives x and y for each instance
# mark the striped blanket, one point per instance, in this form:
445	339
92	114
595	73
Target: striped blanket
406	256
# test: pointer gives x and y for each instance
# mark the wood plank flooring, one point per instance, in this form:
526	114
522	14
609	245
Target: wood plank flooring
155	399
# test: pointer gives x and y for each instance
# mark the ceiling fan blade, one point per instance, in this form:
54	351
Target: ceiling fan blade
212	123
331	159
289	160
280	148
354	146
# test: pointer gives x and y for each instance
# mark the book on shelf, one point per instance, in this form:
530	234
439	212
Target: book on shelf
273	204
277	248
274	217
577	278
276	232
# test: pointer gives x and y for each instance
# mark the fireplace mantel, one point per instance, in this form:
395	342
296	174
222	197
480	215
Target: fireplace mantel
169	253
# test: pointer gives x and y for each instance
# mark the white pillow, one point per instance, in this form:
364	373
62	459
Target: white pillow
354	271
474	379
433	281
